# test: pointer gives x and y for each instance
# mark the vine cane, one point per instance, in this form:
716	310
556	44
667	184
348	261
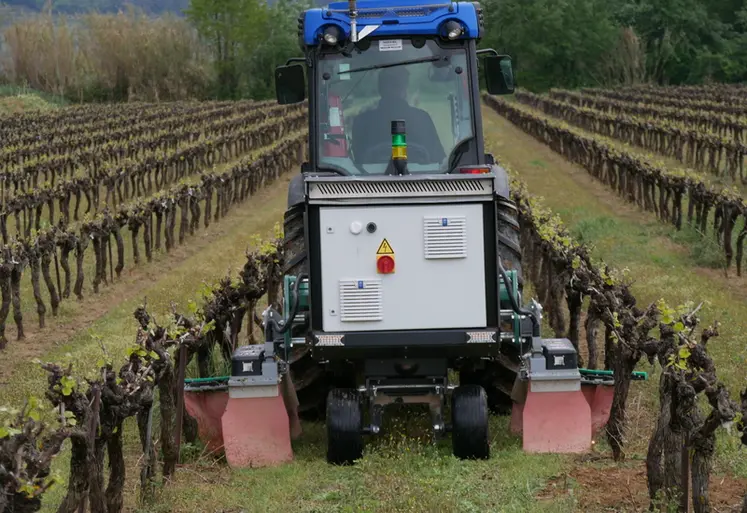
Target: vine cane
57	272
111	263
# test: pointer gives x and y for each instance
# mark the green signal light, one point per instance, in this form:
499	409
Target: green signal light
399	140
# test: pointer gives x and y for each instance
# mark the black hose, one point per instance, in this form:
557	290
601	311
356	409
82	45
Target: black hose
514	303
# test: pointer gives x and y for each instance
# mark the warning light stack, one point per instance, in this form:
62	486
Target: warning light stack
399	147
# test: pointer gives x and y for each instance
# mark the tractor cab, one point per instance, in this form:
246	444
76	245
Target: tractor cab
374	63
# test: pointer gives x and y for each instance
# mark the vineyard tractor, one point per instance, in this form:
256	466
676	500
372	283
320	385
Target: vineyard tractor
402	257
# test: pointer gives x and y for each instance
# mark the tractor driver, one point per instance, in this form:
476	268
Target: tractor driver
371	141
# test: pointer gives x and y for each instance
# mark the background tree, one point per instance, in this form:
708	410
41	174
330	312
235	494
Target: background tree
280	43
231	29
573	43
554	42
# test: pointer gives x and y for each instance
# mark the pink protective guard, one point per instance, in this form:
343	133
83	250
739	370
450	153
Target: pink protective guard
256	432
556	422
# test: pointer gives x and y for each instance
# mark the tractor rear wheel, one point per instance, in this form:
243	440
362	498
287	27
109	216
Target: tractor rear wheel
344	426
309	378
509	247
469	423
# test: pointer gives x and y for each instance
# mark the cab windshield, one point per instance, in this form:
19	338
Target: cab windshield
382	80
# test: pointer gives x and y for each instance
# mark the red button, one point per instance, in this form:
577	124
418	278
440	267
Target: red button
385	264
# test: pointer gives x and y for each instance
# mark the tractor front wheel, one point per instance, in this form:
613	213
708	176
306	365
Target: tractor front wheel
490	379
344	427
469	423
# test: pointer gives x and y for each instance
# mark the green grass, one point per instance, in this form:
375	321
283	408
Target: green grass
398	473
661	262
15	100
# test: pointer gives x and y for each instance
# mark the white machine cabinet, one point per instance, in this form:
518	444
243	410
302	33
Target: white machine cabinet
439	277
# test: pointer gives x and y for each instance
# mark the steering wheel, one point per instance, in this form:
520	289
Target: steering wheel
420	151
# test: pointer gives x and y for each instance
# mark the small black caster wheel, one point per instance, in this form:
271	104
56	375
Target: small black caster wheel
344	427
469	423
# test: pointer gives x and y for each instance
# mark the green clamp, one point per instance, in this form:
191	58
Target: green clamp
206	384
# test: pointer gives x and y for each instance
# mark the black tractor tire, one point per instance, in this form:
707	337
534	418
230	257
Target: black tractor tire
309	378
499	403
509	241
469	423
344	426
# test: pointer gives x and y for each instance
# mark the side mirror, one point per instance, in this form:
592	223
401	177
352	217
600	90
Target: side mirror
290	85
499	74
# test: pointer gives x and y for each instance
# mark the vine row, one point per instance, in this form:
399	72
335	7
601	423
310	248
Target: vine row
107	158
153	222
724	125
563	275
702	151
650	186
680	103
732	94
91	412
68	120
137	179
38	145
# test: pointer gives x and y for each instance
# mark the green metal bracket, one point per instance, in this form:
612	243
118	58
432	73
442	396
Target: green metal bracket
216	383
216	379
606	377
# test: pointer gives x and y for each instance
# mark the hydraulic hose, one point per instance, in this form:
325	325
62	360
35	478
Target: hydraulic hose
276	328
514	302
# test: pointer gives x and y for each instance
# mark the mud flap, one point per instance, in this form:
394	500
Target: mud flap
290	400
518	398
207	409
599	398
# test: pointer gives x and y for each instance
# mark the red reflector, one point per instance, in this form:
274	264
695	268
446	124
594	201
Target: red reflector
474	170
385	264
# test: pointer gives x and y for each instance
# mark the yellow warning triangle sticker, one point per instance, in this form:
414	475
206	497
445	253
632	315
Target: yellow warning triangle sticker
385	248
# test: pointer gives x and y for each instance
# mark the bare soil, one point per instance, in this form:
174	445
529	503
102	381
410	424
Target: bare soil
601	485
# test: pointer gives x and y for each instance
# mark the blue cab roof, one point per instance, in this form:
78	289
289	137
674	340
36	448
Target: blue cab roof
393	17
